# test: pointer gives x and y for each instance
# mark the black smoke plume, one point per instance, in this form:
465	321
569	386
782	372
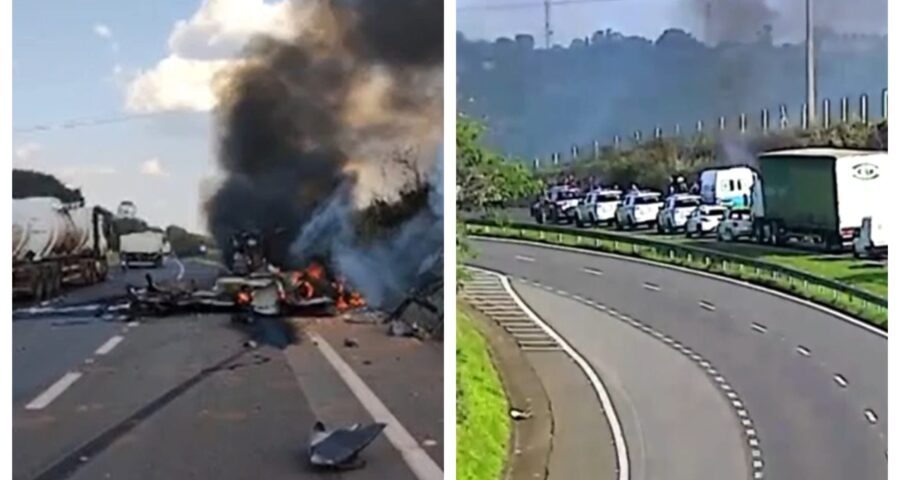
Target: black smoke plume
329	141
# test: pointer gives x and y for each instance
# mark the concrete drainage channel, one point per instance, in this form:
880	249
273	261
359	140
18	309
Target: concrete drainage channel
486	292
492	294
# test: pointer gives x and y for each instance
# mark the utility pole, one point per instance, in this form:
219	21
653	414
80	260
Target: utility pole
548	30
707	23
810	65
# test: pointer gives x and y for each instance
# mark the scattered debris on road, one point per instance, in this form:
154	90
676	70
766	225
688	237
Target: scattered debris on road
340	448
351	343
517	414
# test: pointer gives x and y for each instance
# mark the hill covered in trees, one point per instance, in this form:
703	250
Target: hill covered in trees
538	101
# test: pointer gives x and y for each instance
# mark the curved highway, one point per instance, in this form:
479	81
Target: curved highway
814	383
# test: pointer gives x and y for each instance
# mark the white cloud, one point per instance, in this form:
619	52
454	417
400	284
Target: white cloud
102	31
26	155
153	168
201	47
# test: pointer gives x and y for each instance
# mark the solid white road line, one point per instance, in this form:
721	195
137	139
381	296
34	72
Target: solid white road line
109	345
55	390
523	258
606	402
418	460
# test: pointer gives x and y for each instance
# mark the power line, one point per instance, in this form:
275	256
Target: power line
520	5
91	122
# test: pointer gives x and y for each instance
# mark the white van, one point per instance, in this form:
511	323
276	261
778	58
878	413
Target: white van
728	186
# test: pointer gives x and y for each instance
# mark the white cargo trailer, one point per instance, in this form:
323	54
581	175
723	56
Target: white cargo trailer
56	244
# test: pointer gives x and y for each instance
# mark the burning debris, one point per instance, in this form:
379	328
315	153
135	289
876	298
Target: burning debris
339	449
330	144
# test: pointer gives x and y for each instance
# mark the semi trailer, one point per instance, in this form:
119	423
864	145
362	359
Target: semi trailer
56	244
817	194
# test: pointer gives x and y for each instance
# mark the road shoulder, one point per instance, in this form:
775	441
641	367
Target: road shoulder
531	440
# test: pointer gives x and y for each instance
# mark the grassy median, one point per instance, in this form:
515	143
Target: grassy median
482	423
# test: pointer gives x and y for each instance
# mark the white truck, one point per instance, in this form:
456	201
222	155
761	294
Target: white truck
598	208
56	244
639	208
820	195
730	186
142	248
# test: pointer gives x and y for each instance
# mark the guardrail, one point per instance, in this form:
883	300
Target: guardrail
851	300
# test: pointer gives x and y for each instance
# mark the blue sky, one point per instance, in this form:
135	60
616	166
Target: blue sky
102	59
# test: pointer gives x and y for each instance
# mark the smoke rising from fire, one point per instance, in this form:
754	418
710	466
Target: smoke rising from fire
329	141
745	20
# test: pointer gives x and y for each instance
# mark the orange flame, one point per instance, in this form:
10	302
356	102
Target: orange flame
244	297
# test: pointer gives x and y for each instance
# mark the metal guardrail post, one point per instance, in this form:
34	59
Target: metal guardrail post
783	121
721	123
699	126
804	117
884	104
764	120
637	135
864	109
826	113
616	141
742	123
845	109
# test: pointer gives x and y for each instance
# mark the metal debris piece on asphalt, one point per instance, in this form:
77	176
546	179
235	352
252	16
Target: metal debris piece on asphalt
340	448
351	343
517	414
251	344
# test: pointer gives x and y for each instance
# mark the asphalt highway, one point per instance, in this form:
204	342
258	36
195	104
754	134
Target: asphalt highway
187	397
807	389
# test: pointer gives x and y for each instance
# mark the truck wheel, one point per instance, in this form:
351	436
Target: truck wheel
659	228
618	224
579	222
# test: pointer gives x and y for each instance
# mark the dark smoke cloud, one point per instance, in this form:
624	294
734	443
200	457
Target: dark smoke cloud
316	129
744	20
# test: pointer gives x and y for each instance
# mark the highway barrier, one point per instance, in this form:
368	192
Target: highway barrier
839	296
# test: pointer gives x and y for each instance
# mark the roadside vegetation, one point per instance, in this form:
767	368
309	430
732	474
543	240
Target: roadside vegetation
482	422
651	163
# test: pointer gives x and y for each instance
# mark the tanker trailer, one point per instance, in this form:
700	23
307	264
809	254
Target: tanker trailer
54	245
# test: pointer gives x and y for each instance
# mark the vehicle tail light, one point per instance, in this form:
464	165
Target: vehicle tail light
849	232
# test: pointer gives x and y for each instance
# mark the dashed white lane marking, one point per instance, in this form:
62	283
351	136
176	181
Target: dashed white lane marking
759	327
840	380
870	416
802	350
652	287
592	271
49	395
109	345
415	456
523	258
707	306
